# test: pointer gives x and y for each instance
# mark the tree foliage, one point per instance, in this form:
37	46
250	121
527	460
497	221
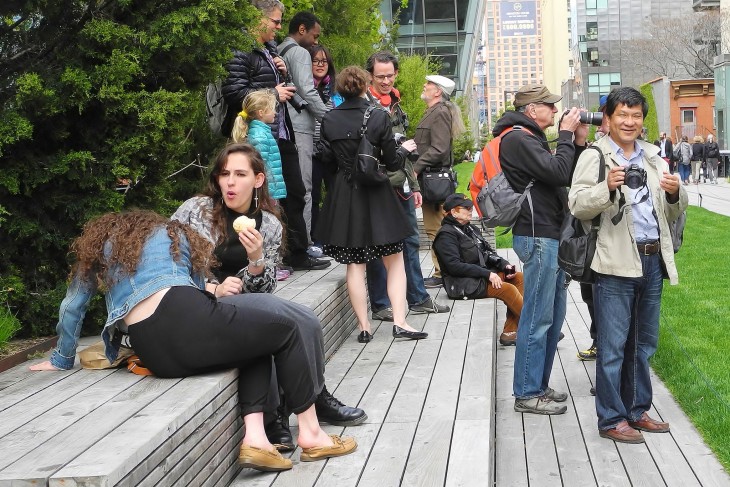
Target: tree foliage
678	47
651	122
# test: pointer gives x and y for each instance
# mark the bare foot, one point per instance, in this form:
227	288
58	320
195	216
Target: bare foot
47	365
319	439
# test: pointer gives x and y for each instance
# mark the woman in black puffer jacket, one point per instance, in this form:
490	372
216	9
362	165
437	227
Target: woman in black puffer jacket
698	158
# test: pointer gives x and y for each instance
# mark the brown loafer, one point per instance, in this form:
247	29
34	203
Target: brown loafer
342	446
263	460
647	423
623	433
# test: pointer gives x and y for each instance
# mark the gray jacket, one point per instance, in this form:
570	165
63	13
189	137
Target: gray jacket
299	63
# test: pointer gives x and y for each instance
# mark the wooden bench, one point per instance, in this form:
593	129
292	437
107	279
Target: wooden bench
113	428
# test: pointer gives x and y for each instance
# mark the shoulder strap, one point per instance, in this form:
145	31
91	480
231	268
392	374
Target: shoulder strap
286	48
365	118
596	222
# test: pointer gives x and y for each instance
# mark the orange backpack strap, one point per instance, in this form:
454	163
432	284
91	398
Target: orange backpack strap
134	365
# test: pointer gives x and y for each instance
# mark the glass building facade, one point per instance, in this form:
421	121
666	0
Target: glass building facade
598	28
446	29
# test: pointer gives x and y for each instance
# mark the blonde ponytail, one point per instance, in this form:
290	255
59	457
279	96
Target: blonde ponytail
240	128
255	102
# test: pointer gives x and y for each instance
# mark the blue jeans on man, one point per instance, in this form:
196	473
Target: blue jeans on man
543	313
627	310
415	290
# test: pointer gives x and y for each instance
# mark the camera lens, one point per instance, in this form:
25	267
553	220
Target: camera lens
593	118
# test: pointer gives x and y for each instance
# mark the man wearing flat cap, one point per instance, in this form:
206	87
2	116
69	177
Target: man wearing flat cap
526	157
435	133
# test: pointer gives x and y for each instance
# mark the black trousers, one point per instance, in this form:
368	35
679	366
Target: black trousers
192	333
586	293
293	205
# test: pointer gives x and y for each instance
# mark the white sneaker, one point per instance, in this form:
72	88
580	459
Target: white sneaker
315	251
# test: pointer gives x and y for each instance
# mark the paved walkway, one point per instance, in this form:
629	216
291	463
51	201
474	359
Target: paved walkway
713	197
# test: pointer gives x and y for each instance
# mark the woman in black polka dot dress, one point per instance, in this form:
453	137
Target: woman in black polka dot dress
361	223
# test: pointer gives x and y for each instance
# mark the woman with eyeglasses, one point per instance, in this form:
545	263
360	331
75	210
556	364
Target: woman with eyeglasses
323	72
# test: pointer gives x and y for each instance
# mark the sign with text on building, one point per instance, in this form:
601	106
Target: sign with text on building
518	18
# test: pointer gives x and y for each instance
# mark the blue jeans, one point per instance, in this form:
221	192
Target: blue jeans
627	310
415	290
684	170
543	312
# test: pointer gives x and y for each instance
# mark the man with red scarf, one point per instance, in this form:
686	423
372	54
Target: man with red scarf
383	69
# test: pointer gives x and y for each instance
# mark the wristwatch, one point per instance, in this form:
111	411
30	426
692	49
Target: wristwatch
258	262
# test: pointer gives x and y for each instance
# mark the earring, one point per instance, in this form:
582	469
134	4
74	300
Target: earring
256	197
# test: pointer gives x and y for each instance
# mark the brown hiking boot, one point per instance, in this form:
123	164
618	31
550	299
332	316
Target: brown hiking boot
623	433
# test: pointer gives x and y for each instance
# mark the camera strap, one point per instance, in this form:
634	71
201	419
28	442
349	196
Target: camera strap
622	203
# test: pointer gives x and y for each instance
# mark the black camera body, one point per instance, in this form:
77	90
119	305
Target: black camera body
399	139
296	101
634	176
593	118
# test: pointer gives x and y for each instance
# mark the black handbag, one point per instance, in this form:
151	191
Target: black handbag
437	184
577	248
367	169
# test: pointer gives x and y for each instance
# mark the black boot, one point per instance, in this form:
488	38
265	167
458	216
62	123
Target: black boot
331	410
277	431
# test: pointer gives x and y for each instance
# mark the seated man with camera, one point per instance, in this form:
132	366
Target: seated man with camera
637	202
471	269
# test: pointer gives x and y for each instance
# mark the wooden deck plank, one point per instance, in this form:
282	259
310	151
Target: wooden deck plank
346	471
140	436
510	464
542	460
469	458
388	456
62	419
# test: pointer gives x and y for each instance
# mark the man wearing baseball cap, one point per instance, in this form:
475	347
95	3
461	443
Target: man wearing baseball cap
526	157
435	133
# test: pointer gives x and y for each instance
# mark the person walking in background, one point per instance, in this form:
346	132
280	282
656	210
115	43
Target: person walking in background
526	157
441	123
383	69
632	258
304	32
262	68
472	269
712	155
152	271
360	222
698	158
683	155
237	187
666	150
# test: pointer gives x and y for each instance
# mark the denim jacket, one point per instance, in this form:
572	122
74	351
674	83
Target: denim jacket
157	270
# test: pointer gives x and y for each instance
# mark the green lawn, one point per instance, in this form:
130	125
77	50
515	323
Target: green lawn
694	337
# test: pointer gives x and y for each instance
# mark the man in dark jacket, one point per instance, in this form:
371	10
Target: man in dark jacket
525	156
472	269
262	68
666	150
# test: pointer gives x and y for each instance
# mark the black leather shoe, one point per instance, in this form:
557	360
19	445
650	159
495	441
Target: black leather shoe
364	337
278	433
399	332
331	410
311	264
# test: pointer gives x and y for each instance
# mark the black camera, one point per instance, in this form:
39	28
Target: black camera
399	139
634	176
296	101
593	118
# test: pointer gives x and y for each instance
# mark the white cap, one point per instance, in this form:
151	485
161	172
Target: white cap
446	85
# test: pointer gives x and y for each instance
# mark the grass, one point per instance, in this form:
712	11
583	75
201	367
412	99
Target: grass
9	324
694	334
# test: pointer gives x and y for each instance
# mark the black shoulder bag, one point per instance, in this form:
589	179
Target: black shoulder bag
577	248
366	169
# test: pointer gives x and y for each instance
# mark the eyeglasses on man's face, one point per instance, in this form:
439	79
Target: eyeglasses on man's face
320	62
383	77
275	21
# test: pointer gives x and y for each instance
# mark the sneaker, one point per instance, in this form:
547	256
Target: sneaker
433	282
539	405
282	274
589	354
385	314
555	395
429	306
311	264
315	251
